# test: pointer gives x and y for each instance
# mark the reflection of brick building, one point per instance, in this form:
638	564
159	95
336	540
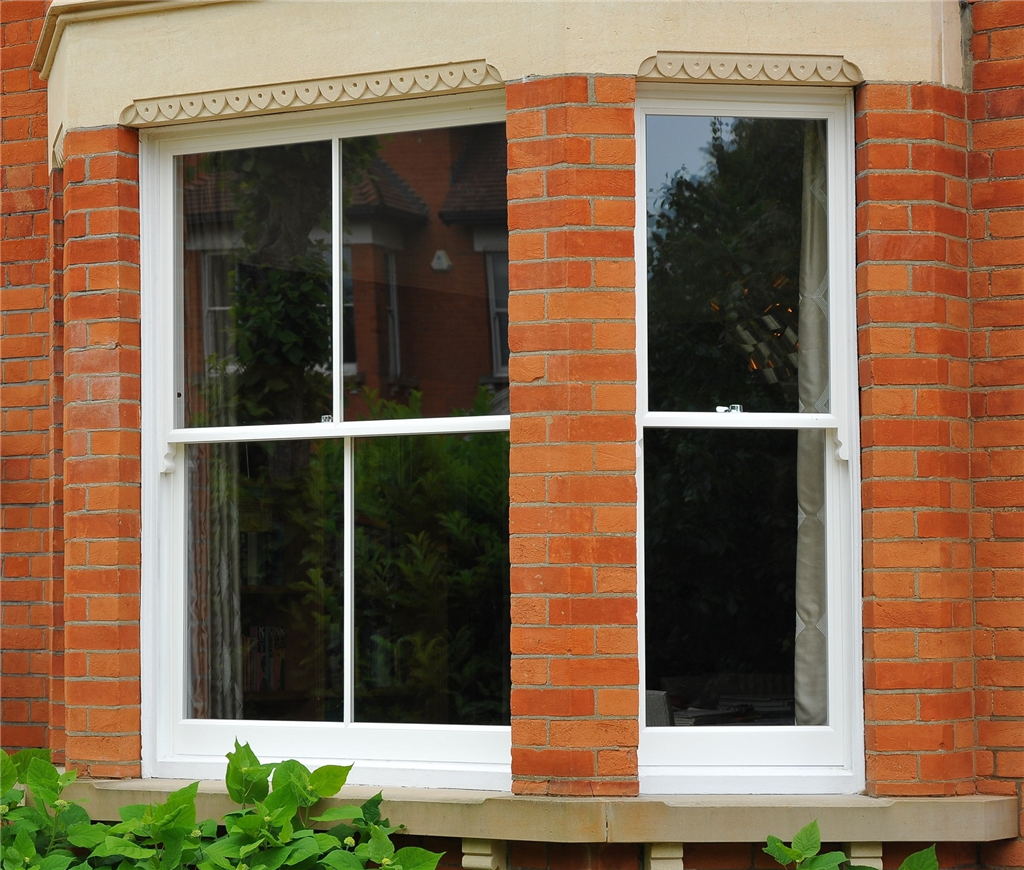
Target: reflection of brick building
425	258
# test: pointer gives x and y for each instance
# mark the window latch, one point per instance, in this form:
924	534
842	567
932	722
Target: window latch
729	409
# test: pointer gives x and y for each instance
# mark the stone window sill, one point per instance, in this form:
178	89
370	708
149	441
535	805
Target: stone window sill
665	819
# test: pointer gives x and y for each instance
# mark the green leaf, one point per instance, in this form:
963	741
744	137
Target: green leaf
26	848
808	839
302	849
24	758
112	846
414	858
781	852
12	797
325	842
923	860
327	781
43	781
340	859
271	859
66	778
824	862
338	814
371	808
208	828
87	836
295	776
132	812
380	845
247	780
73	815
56	862
8	773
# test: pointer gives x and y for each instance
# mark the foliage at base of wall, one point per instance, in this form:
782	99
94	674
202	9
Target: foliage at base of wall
272	829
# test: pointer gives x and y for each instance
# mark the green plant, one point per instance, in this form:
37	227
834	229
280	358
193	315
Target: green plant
272	830
802	853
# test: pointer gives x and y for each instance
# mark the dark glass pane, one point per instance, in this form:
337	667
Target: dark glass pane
724	531
421	210
256	283
265	558
432	579
737	264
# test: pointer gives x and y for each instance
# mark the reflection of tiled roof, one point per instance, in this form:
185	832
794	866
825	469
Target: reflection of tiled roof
208	196
382	192
478	193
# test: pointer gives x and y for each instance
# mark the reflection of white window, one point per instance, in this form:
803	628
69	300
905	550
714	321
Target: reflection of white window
218	299
497	292
394	335
348	319
223	495
493	241
747	412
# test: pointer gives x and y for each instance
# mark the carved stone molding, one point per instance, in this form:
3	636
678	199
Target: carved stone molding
783	69
473	75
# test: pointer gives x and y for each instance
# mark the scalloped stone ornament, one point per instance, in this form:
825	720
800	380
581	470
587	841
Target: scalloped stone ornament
685	66
315	93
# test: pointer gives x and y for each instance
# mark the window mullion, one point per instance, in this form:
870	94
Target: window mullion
337	379
348	581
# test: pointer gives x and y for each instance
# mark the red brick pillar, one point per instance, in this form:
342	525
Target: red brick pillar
996	110
913	335
102	447
27	572
572	375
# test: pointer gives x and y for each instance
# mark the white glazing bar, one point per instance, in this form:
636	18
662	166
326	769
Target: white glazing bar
356	428
741	420
349	592
337	260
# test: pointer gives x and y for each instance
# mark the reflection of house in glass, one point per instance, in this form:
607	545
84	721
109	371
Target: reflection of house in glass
426	243
424	275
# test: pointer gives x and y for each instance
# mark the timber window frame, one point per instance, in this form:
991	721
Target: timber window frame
772	759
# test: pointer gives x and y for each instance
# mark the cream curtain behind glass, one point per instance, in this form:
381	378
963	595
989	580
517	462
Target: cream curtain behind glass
811	663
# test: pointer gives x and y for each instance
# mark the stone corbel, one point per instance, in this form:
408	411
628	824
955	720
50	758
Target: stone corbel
782	69
865	854
484	854
663	856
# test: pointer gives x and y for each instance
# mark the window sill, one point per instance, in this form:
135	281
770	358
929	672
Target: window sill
704	819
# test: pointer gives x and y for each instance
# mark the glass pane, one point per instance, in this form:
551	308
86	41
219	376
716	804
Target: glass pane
256	283
734	542
737	264
421	210
265	556
432	579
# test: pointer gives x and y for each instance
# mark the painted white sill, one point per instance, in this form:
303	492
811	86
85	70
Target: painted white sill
705	819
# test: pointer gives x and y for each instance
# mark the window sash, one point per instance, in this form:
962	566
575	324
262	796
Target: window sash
174	745
794	759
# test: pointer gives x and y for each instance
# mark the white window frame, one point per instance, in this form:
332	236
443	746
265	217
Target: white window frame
773	759
176	746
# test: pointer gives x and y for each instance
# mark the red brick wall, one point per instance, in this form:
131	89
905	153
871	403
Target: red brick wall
573	492
996	168
913	320
102	443
30	508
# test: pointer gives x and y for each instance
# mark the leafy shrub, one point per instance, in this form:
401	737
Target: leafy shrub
802	853
272	830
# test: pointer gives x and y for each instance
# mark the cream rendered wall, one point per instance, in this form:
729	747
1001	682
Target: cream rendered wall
99	55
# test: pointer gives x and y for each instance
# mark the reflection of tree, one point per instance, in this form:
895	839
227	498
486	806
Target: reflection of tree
280	370
720	507
432	575
723	265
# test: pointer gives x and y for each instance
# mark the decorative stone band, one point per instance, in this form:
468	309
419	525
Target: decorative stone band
783	69
473	75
